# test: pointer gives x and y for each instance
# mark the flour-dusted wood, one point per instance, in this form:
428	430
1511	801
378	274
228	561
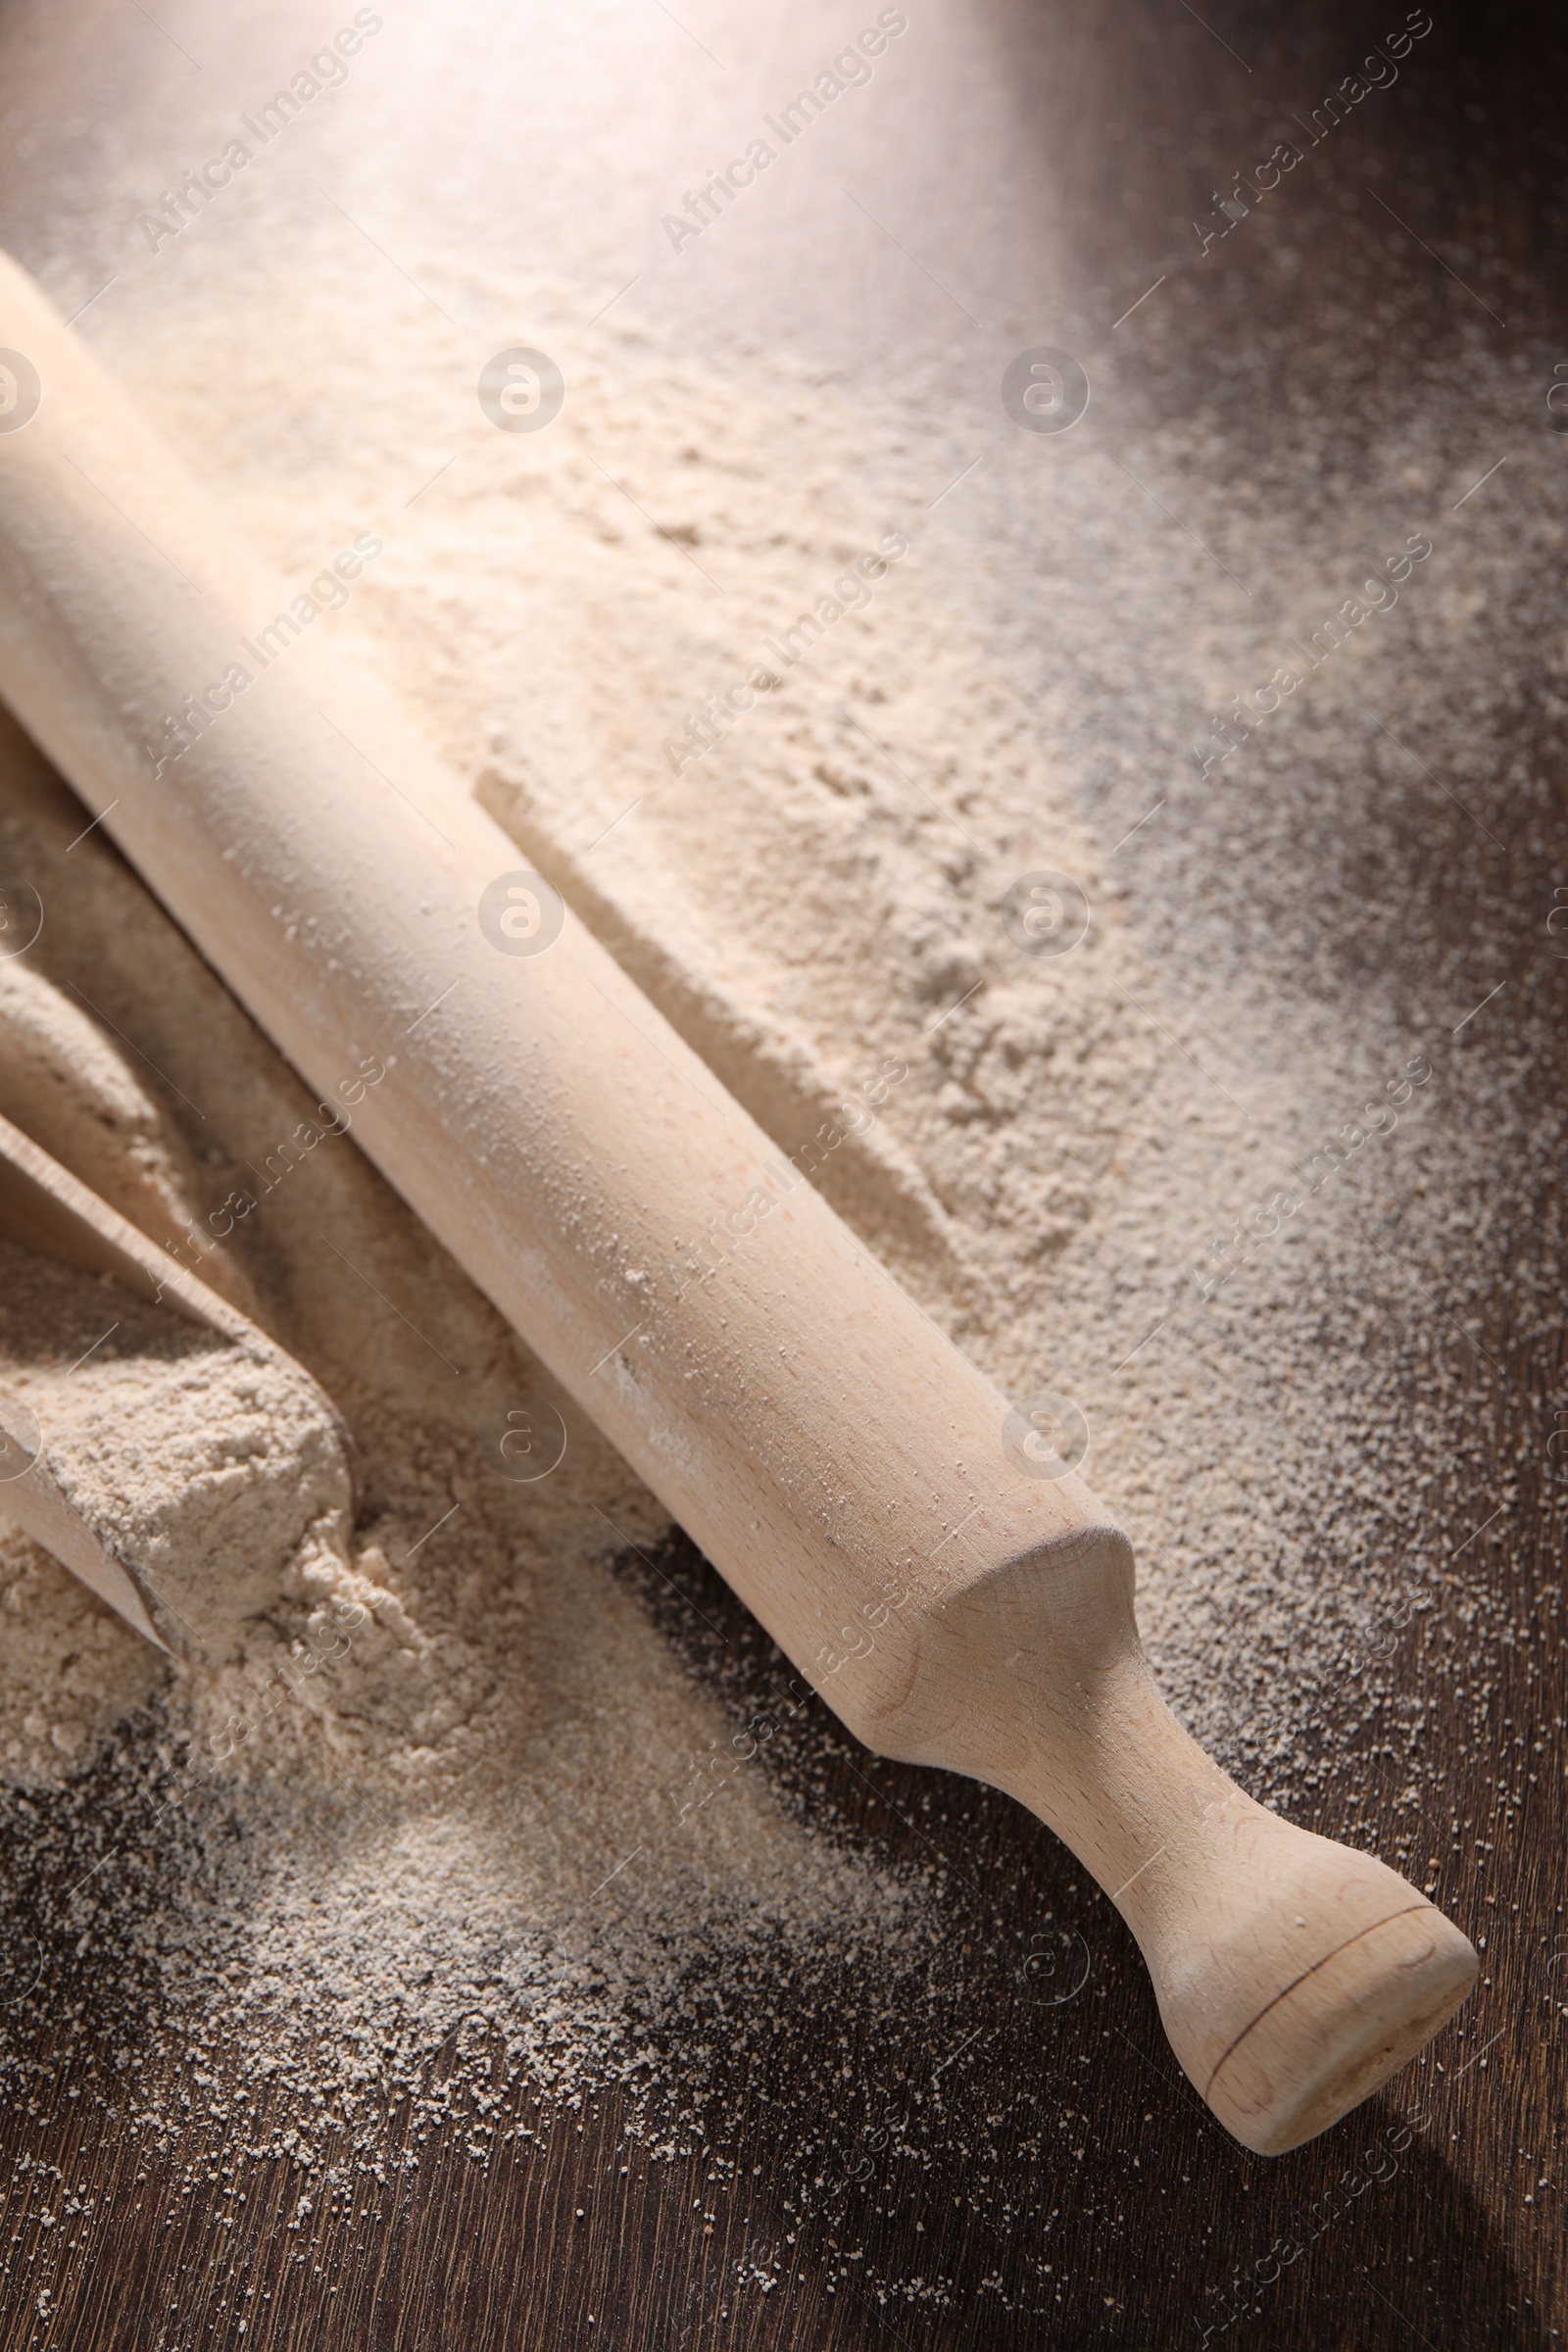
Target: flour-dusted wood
47	1210
45	1207
837	1458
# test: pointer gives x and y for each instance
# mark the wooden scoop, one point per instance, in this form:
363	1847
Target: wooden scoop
46	1209
953	1591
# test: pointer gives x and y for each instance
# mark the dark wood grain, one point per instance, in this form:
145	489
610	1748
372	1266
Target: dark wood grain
1036	2160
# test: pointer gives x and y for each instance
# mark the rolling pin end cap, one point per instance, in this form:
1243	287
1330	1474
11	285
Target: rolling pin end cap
1330	2038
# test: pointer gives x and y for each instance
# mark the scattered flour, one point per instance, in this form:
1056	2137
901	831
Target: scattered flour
439	1741
442	1747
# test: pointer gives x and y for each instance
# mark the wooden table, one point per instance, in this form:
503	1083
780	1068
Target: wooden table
1044	2171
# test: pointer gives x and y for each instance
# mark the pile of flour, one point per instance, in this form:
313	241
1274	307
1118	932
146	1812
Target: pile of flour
449	1759
208	1468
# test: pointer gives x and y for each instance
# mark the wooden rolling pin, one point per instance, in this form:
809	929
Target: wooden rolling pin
955	1596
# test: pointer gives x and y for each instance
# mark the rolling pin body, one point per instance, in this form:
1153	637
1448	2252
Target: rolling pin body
832	1452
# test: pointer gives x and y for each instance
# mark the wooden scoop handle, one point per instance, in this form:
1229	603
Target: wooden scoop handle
46	1209
839	1461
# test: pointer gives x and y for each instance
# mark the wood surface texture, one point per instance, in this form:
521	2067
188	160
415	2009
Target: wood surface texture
804	1420
1029	2150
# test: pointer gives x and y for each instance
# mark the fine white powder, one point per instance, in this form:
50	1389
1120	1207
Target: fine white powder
442	1746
